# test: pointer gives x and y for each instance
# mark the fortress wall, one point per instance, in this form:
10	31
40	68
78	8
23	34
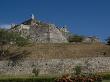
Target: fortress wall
55	66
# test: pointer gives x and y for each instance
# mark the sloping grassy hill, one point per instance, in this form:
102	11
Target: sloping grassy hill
55	51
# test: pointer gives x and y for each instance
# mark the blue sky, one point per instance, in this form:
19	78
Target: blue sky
84	17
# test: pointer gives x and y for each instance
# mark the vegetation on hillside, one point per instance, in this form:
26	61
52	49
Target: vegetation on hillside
78	70
75	38
108	41
8	40
35	72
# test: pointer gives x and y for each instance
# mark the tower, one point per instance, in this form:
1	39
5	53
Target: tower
32	16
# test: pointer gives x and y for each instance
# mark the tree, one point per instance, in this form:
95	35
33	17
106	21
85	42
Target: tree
75	38
9	39
108	41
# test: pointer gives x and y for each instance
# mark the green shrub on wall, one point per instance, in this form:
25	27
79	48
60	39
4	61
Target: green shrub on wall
77	70
35	72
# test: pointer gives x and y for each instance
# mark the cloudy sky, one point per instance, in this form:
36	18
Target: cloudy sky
84	17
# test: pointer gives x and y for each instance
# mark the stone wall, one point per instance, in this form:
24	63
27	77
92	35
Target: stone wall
54	66
41	33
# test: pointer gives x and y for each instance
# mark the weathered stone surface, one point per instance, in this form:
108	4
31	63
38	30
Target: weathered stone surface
40	32
46	35
55	66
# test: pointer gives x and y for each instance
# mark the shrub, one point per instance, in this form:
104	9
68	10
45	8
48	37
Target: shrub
75	38
8	40
105	76
108	41
77	70
35	72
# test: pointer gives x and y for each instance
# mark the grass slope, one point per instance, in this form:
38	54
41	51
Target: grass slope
65	50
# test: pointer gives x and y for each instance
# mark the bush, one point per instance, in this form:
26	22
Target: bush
7	37
35	72
75	38
8	40
108	41
105	76
77	70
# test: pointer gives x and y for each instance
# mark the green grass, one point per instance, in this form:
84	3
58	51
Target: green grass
33	79
106	81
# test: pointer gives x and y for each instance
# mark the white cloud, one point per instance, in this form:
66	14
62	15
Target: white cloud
7	26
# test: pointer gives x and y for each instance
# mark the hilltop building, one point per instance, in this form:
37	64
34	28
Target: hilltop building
91	39
40	32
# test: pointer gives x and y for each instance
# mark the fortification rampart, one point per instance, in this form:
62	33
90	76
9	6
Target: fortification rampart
55	66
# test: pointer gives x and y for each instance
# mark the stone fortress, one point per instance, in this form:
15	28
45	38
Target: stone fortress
56	59
41	32
55	66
